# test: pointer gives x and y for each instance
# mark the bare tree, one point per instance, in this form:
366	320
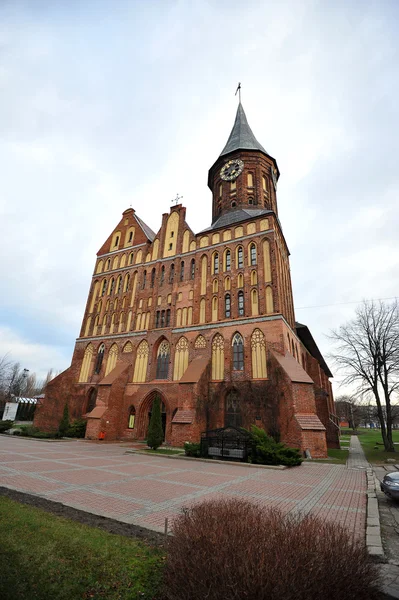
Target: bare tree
348	408
367	351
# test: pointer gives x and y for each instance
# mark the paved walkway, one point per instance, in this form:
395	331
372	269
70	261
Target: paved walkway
104	480
356	458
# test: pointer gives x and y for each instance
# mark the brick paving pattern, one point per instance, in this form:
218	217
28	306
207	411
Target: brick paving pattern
144	490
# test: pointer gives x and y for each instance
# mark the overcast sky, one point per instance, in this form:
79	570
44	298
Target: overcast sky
107	104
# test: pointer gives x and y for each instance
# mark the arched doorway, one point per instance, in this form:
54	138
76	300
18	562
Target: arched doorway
163	416
144	415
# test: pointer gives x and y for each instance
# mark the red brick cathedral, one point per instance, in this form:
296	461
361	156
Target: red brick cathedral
203	320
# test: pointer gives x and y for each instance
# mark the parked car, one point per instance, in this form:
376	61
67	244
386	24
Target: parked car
390	485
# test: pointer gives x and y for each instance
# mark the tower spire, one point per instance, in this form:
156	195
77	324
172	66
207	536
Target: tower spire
241	136
239	92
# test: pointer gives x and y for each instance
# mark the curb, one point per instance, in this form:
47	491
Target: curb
373	528
210	460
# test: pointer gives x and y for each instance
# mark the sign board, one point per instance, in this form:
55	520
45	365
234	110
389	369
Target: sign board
10	411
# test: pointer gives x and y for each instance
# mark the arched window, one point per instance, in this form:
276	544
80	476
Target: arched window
269	300
172	273
87	358
167	324
240	304
182	270
162	318
91	402
152	277
254	303
140	367
215	286
258	352
252	254
131	258
214	308
254	278
157	319
238	352
215	263
232	415
112	358
227	283
227	260
200	342
240	257
116	240
104	288
218	357
162	275
107	268
119	288
204	268
192	269
144	280
111	286
227	306
202	311
163	360
181	359
99	360
127	282
240	280
132	417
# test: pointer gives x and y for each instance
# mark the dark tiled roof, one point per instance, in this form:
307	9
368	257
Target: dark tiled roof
149	232
307	340
184	416
241	136
235	216
310	422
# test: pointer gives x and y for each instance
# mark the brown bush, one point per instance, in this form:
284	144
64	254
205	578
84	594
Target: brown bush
233	549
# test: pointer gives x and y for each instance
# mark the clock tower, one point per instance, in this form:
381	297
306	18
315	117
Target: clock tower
243	179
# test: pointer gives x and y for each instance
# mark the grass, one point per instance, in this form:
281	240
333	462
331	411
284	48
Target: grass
335	456
371	441
44	556
163	451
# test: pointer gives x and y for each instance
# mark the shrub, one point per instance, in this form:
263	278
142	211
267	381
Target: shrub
232	549
5	426
64	423
29	430
77	429
192	449
155	431
266	451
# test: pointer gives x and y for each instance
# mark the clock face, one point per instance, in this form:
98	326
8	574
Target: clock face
231	169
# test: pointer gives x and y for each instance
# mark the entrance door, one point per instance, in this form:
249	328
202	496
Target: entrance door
163	417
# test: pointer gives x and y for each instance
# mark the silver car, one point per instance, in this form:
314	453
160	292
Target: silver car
390	485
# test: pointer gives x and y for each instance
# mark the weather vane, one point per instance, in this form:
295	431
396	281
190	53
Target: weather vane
239	92
176	200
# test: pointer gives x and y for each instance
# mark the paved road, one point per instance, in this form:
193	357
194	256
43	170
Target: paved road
104	480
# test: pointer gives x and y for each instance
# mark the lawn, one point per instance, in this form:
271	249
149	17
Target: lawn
371	441
44	556
335	455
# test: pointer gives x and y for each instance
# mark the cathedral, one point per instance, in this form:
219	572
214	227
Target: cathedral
205	321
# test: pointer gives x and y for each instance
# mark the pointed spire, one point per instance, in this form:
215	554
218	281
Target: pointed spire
241	136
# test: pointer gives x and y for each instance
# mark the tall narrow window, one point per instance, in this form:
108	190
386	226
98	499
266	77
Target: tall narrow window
157	319
127	283
99	360
167	318
218	357
232	416
119	285
107	268
117	240
144	280
172	273
162	318
238	353
153	277
112	285
131	257
140	367
163	360
214	308
241	303
132	416
104	287
258	352
227	260
252	251
216	263
240	257
192	270
182	270
112	358
227	306
85	368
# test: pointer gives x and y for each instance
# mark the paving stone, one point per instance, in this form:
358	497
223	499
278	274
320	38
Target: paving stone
373	530
373	522
373	540
376	551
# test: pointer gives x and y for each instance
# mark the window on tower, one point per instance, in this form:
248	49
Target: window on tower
227	306
238	353
172	273
240	257
182	270
167	324
192	271
253	254
144	280
241	303
227	260
152	277
162	275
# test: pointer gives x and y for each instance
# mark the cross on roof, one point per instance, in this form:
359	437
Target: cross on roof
176	200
